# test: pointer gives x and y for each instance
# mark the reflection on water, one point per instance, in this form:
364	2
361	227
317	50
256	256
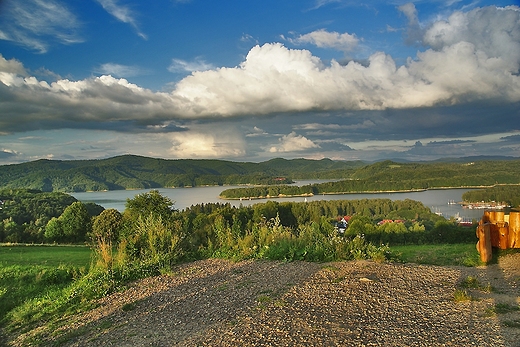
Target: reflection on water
439	201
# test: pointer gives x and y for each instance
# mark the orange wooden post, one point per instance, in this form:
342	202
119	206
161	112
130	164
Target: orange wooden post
503	235
514	229
486	217
499	216
484	242
491	216
493	234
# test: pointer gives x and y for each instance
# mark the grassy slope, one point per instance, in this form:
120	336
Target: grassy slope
41	255
443	255
29	272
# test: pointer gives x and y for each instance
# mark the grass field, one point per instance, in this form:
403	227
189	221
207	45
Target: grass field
443	255
29	272
44	255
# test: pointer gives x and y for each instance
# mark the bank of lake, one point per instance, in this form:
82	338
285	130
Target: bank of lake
440	201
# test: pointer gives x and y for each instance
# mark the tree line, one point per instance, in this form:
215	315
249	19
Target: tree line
131	172
508	194
33	216
391	176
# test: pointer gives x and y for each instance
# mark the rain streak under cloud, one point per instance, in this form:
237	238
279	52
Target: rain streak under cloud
458	95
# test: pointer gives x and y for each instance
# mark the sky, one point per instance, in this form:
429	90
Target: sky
255	80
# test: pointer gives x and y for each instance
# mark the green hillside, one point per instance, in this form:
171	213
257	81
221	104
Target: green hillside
393	176
135	172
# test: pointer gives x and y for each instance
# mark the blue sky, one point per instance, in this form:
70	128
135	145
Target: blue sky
254	80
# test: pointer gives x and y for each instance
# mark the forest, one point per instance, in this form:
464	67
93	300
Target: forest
31	216
391	176
25	213
502	194
135	172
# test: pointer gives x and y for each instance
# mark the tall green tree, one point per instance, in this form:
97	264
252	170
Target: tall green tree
151	203
75	223
54	231
105	227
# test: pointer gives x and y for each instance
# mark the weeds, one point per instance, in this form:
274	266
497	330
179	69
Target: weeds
501	308
263	300
461	295
512	323
471	282
271	240
130	306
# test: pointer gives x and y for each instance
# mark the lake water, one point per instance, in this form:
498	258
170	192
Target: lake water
436	200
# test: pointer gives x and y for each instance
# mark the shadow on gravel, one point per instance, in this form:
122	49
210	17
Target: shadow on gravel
264	303
494	296
167	310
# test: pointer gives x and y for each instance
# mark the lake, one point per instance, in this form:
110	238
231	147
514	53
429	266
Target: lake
436	200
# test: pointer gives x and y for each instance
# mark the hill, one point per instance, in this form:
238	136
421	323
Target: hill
136	172
392	176
261	303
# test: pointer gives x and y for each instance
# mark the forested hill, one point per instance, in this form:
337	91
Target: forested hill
134	172
392	176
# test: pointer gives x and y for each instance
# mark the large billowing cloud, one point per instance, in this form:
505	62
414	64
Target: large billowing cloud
473	56
293	143
207	143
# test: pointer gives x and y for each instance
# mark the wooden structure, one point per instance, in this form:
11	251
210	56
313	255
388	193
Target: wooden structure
497	229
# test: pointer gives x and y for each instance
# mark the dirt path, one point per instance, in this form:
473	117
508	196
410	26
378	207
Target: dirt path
260	303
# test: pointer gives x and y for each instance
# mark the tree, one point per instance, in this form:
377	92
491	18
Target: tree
76	222
54	230
360	225
12	231
149	203
106	226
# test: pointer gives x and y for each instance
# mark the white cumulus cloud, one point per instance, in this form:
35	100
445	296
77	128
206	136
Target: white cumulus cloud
207	143
293	143
474	56
321	38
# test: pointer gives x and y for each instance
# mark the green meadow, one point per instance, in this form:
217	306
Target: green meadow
44	255
464	254
31	272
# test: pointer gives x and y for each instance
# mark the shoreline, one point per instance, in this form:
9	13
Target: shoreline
352	192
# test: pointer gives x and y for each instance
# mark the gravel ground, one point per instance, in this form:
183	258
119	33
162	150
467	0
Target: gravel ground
263	303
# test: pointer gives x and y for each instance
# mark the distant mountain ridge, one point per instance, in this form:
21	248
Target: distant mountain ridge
137	172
